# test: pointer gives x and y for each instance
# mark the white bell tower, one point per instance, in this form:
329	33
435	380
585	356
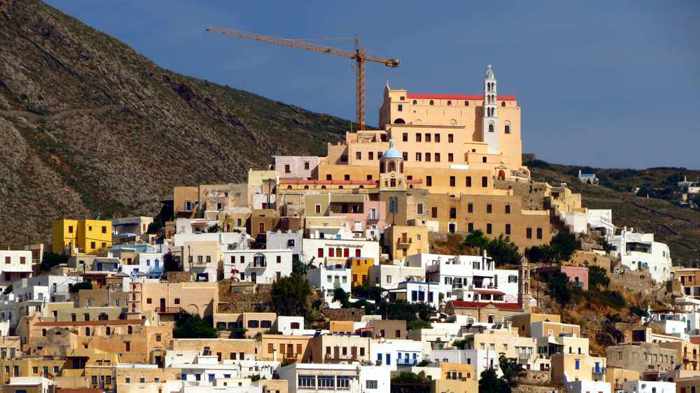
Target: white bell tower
490	125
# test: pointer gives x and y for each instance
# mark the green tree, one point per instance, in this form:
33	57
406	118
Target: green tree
339	295
290	295
50	260
511	370
477	240
490	383
75	288
597	278
193	326
563	245
558	287
503	251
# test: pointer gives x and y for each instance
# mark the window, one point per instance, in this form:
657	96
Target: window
326	381
404	156
484	181
318	209
427	137
279	259
507	231
483	159
452	181
418	157
370	155
320	252
429	181
92	245
306	165
469	181
127	346
419	137
400	108
453	212
489	229
437	138
372	384
450	157
287	168
470	207
404	137
491	127
434	212
70	228
307	381
539	233
346	177
358	155
528	233
450	138
427	157
507	209
431	102
343	381
104	229
437	157
507	127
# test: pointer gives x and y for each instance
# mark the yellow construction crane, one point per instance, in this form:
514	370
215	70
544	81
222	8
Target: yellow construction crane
358	55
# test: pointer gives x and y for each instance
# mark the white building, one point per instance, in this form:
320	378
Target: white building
328	377
327	277
649	387
290	240
470	277
207	370
397	353
480	359
293	326
389	276
430	293
587	387
338	250
258	266
639	251
14	265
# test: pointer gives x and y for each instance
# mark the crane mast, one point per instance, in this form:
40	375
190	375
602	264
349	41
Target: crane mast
359	56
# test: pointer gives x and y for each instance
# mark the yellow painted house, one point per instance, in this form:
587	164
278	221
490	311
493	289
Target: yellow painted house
88	236
359	267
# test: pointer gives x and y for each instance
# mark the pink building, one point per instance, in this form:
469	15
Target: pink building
578	275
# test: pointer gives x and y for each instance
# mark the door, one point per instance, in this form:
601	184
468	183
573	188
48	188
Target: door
162	305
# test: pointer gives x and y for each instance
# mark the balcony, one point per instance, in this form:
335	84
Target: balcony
404	243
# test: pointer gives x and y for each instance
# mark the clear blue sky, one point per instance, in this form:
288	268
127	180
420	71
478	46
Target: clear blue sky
602	83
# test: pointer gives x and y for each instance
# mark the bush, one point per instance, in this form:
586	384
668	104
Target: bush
75	288
193	326
597	278
339	295
612	299
503	251
290	295
476	240
558	288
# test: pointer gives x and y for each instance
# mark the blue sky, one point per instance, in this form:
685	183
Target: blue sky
602	83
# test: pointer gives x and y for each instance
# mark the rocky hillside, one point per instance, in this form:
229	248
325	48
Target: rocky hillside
90	127
677	226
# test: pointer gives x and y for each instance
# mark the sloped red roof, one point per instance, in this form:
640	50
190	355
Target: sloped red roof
489	291
448	96
500	306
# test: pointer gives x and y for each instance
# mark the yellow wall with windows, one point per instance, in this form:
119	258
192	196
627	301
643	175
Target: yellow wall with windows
359	268
89	236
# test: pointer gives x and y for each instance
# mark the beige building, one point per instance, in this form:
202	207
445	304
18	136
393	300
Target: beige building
456	378
332	348
642	357
405	240
567	367
230	349
168	298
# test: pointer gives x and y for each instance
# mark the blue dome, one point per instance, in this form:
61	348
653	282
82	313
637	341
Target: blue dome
392	152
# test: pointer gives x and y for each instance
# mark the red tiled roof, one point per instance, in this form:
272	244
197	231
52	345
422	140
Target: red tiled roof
501	306
447	96
327	182
695	339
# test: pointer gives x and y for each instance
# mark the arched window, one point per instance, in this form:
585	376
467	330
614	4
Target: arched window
382	167
503	103
392	166
490	127
415	102
449	102
399	121
507	127
431	102
466	103
102	317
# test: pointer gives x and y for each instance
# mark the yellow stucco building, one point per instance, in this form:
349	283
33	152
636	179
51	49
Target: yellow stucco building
88	236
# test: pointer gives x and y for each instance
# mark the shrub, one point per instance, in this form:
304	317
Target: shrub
290	295
193	326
